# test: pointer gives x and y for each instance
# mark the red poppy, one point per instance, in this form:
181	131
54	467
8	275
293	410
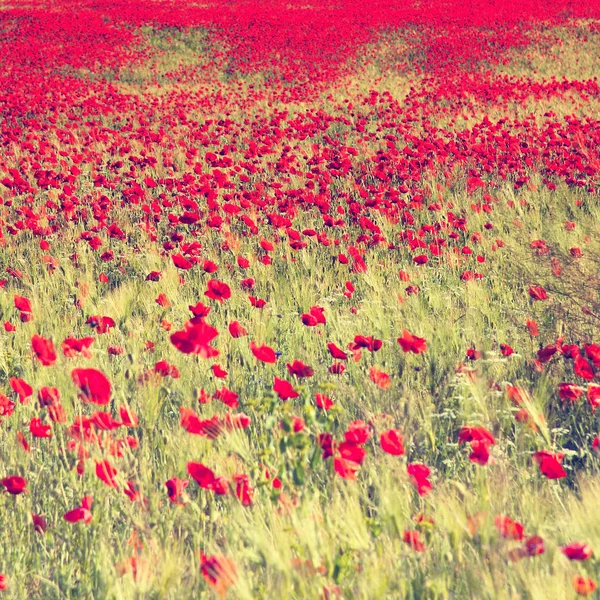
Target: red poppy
44	350
14	485
347	469
412	343
195	339
38	429
413	539
236	330
218	290
219	572
72	347
228	397
93	385
391	442
570	392
21	388
419	474
583	369
577	551
284	389
584	586
509	529
323	402
23	304
357	433
370	343
336	352
299	369
243	490
175	490
81	513
39	523
470	434
550	464
106	473
537	292
181	262
263	353
206	478
380	378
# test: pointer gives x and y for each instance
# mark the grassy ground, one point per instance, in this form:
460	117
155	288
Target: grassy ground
314	533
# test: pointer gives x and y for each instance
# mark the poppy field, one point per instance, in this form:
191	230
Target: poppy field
299	300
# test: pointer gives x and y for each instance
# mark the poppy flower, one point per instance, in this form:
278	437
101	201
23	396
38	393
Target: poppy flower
577	551
175	490
593	396
534	546
583	369
81	513
219	372
93	385
584	586
236	330
73	347
391	442
106	473
533	328
14	485
257	302
128	417
299	369
419	475
190	421
100	324
412	343
480	452
263	353
470	434
163	301
218	290
323	402
227	397
219	572
243	490
593	353
336	353
347	469
550	464
22	304
570	392
413	539
327	444
181	262
357	433
284	389
537	292
370	343
21	388
195	338
43	349
39	523
206	478
38	429
380	378
509	529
